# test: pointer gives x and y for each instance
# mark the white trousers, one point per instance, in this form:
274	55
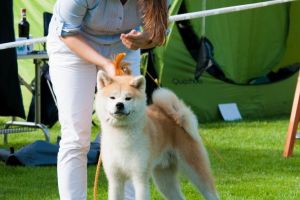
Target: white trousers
74	82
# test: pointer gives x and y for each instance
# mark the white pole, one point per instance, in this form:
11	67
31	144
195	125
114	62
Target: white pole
203	31
22	43
219	11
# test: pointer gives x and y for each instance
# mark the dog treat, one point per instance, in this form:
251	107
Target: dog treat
122	68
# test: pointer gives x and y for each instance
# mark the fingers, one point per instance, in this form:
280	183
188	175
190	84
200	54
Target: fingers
135	40
129	44
130	40
133	35
108	67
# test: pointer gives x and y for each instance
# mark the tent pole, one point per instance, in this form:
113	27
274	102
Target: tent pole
293	124
203	29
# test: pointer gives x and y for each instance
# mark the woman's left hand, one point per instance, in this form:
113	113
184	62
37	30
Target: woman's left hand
137	40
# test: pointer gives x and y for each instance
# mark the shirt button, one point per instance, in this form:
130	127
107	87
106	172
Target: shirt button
120	18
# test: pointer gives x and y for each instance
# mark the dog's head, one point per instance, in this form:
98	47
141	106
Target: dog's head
120	100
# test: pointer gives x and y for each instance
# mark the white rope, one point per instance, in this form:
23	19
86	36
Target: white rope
219	11
22	43
173	18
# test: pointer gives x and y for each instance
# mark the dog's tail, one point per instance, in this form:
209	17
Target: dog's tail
175	108
194	159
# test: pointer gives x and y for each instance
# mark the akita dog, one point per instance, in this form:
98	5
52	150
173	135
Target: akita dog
140	141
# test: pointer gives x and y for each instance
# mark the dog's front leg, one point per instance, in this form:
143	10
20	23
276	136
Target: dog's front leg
115	189
141	187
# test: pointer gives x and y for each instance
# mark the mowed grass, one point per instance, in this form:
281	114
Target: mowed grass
246	159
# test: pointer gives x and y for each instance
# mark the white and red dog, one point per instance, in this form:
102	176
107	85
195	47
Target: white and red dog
140	141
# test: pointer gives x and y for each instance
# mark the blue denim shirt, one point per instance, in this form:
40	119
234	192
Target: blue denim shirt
100	21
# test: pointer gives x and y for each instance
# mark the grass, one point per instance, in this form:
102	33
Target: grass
246	159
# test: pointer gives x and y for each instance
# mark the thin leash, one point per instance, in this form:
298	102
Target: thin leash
214	150
96	180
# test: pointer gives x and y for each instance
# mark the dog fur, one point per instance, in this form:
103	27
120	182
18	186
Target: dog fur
140	141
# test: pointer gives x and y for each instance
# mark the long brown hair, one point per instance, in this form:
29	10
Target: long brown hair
155	19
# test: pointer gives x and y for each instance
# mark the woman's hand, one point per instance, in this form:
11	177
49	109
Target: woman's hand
108	67
137	40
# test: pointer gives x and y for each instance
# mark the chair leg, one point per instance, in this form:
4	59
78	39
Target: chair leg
293	124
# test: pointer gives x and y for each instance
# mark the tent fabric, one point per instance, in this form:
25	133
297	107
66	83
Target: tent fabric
11	103
252	41
247	45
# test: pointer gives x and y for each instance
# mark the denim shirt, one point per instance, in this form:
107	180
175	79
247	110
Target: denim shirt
100	21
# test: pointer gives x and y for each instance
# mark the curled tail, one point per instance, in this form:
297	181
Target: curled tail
176	109
194	160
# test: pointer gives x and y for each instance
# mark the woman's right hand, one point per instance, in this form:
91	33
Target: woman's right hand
108	67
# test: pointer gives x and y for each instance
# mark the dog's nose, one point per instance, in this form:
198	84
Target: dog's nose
120	106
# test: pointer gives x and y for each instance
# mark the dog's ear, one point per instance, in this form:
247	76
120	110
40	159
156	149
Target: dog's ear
103	79
139	83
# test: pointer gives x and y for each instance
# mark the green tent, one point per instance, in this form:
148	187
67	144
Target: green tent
248	46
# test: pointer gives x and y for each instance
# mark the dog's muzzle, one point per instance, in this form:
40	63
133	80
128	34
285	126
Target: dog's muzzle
120	106
120	110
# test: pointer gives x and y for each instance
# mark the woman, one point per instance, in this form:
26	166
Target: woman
84	35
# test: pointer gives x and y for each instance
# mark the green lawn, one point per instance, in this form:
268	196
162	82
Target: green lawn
246	159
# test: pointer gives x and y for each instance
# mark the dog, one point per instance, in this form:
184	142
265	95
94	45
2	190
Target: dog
140	141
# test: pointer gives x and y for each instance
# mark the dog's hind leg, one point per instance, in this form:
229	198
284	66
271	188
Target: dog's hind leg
194	164
167	182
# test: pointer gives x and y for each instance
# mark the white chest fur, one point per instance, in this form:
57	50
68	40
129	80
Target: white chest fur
125	152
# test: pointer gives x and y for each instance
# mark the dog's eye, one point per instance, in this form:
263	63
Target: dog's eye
128	98
112	97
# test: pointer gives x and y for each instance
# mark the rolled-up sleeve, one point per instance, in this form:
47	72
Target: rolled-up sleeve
70	14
